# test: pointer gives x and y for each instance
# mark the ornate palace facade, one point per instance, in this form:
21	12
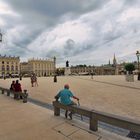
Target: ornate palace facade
9	65
40	67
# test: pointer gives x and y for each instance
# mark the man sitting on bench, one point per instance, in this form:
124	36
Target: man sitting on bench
65	96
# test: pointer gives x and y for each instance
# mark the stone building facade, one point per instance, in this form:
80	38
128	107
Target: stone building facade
25	68
108	69
40	67
96	70
9	65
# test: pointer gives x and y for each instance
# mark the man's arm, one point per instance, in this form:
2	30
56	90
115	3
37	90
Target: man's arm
74	97
57	96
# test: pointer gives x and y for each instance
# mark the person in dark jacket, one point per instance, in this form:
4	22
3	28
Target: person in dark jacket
12	87
18	89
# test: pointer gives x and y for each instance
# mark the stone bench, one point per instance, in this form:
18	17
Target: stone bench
23	94
96	116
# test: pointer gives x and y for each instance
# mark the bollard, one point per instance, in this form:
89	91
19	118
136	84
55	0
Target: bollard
2	91
93	122
138	76
20	78
8	93
55	78
25	95
56	111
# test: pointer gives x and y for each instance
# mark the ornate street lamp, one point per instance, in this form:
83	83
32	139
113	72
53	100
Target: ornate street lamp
138	55
0	37
55	76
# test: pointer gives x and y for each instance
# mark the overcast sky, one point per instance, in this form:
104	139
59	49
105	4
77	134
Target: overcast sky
80	31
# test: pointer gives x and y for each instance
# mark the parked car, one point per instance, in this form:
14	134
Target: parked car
26	75
14	75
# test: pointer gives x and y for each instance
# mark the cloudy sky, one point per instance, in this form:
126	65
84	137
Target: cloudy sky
81	31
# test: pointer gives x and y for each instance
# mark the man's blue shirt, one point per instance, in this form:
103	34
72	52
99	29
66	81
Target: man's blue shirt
65	96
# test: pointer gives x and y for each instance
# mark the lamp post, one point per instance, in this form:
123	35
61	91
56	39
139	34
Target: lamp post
0	37
54	59
138	55
55	77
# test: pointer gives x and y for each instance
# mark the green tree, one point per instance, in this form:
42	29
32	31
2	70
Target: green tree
130	67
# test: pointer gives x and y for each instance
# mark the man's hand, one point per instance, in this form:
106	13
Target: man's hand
56	98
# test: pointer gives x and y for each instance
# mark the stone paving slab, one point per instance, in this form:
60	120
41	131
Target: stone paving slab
66	129
85	136
26	121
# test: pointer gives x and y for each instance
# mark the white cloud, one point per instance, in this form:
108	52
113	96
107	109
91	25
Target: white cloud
103	32
56	38
82	33
5	9
129	14
2	23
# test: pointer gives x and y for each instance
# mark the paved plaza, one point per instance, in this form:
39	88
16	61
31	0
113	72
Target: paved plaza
110	94
29	121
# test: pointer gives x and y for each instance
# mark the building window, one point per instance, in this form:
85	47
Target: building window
12	68
7	62
7	68
3	68
2	62
16	68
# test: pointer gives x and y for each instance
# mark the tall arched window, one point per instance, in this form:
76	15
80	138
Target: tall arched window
12	68
3	68
16	68
7	68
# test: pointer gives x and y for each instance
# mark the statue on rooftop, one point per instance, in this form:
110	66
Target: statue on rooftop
67	63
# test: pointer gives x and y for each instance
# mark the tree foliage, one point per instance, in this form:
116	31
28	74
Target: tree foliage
130	67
